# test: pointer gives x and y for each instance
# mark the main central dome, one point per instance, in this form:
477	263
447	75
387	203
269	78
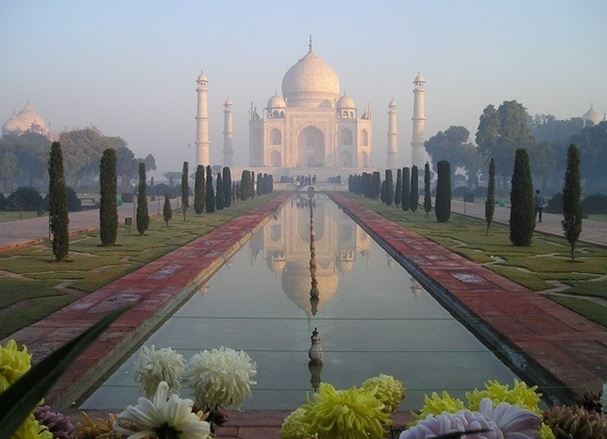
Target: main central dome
311	82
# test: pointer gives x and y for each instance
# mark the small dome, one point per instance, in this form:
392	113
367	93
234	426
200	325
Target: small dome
276	102
202	77
227	103
346	102
11	125
392	103
310	82
419	78
594	116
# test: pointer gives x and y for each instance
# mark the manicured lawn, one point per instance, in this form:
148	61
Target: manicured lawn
33	285
542	266
6	216
598	217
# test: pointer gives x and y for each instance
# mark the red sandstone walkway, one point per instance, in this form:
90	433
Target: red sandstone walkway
571	348
157	289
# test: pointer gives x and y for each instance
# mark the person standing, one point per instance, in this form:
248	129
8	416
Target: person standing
539	205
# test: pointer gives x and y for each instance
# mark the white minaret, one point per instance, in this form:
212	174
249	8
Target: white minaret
202	122
228	134
392	136
418	152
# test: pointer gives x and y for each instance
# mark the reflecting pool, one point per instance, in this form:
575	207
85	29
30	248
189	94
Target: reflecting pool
372	316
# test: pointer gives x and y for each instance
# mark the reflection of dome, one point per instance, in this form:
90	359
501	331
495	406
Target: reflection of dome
26	120
310	82
344	266
296	285
346	102
276	261
276	102
593	116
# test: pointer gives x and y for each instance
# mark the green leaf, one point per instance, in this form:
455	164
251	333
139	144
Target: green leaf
20	399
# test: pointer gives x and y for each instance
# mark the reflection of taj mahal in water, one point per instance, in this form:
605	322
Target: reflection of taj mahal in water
339	242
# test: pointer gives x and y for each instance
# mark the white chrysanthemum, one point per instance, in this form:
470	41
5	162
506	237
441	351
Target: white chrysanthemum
153	366
513	421
164	416
220	377
604	397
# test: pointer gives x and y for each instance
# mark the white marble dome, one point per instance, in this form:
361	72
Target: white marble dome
310	82
346	102
593	116
276	102
26	120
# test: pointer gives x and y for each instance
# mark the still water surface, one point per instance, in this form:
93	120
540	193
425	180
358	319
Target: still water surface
373	317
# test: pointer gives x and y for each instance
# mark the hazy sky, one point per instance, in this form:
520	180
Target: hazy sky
129	67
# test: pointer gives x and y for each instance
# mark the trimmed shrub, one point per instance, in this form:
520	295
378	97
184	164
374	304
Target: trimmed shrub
399	187
427	189
58	217
443	192
490	201
143	217
24	198
595	204
227	186
572	199
405	201
185	189
167	210
199	194
73	202
376	185
522	209
210	192
555	204
108	210
389	188
414	199
219	193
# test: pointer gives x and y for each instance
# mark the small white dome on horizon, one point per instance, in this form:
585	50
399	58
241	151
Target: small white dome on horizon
593	116
26	120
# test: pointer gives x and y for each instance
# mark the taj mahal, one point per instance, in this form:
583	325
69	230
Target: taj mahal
312	127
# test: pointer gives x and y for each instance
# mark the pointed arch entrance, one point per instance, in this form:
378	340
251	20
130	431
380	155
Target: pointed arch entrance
311	148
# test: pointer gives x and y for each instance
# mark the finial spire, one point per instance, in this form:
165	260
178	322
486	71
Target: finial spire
310	44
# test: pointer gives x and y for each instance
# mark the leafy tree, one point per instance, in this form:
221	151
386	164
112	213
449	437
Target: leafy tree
73	202
185	189
389	187
126	166
199	194
443	192
414	189
522	212
167	210
150	162
572	199
427	189
8	168
405	202
592	142
543	161
399	188
58	217
24	198
227	187
171	177
143	217
24	159
490	202
210	192
219	199
108	210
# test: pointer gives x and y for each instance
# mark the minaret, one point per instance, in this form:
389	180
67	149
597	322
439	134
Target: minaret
228	134
418	152
392	136
202	122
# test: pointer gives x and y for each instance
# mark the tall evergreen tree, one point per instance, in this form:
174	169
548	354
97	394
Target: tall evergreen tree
219	199
427	189
382	195
398	187
252	188
210	192
185	189
143	217
245	185
405	193
376	185
167	210
443	192
57	207
414	189
199	194
389	187
522	211
227	187
490	202
259	184
108	210
572	203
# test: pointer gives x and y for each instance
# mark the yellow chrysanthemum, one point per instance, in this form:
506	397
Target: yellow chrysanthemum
389	391
14	363
294	427
31	429
520	394
437	404
546	432
345	414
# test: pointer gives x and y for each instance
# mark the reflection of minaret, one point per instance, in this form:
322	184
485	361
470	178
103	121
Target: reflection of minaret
418	157
416	288
392	136
202	122
228	135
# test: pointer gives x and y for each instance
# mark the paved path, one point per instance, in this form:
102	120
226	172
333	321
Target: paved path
525	327
22	232
592	231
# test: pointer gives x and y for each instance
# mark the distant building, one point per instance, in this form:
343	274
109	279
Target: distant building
26	121
593	116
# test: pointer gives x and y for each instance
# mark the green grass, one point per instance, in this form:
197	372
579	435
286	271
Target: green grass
598	217
6	216
35	295
537	267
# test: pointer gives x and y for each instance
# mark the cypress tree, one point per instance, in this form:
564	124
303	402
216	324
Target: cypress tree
227	187
252	188
399	184
185	189
219	199
490	202
199	194
259	184
376	185
414	189
405	193
167	211
108	210
389	187
382	196
143	217
427	189
443	192
572	205
522	212
210	192
245	185
57	204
